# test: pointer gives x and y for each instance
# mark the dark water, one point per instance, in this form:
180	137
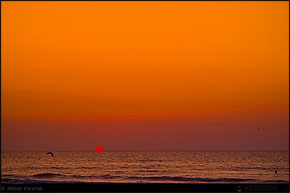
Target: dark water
146	167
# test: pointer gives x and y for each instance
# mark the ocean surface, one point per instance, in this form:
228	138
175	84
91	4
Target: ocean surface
145	167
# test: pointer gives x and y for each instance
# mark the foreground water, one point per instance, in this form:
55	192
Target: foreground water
146	167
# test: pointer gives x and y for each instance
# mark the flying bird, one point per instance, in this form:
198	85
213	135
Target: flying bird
50	153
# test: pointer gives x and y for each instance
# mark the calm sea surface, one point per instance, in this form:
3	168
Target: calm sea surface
146	167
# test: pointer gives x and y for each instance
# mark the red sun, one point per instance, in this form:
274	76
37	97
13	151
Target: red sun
99	148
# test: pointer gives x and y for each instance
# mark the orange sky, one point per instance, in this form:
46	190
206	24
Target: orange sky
166	75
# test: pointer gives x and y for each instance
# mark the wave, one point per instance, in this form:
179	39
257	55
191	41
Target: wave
105	176
31	181
185	179
60	168
47	175
164	178
54	175
11	180
260	168
149	160
146	171
11	175
276	181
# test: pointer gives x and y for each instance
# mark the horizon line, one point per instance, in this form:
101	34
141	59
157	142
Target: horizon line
141	150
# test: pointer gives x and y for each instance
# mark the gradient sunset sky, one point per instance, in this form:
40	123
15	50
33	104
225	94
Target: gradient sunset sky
144	76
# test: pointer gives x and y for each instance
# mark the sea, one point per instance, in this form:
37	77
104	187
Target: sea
146	167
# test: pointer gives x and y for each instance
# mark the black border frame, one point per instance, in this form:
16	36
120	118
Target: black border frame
143	187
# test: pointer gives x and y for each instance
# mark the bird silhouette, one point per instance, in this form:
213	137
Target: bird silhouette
50	153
